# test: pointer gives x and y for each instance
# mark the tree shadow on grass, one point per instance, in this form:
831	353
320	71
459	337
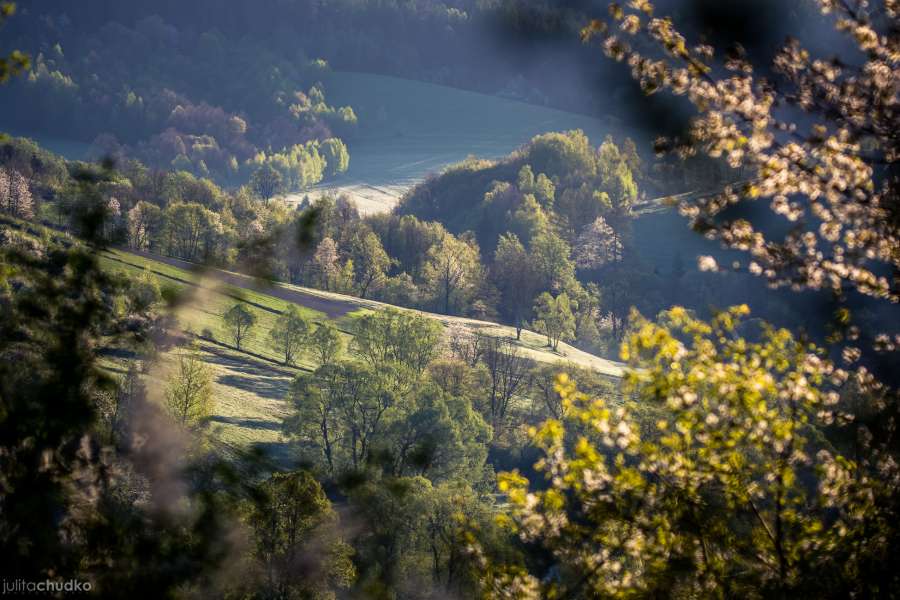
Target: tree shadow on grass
262	386
248	422
262	380
246	363
284	454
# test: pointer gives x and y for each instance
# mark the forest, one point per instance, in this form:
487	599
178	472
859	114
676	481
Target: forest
642	344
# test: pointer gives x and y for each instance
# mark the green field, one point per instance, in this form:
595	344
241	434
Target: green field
250	386
205	300
409	129
211	298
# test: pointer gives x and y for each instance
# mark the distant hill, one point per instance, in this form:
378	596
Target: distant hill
410	129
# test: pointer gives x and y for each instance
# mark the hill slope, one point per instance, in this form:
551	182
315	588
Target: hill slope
273	298
250	386
409	129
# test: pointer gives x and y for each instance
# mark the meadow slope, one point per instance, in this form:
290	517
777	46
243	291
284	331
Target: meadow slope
410	129
250	385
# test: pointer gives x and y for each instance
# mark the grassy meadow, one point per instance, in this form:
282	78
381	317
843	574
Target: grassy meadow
250	386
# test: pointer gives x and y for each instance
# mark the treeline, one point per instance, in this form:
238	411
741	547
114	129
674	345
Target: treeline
468	43
540	240
175	101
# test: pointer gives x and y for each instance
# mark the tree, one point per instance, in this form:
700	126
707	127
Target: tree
465	344
239	320
143	293
394	512
616	181
839	160
554	318
15	195
339	410
144	224
325	264
326	343
566	155
435	436
550	255
266	182
598	245
337	159
297	541
64	512
516	279
541	186
290	333
187	226
727	490
508	371
459	379
452	272
189	393
401	337
370	262
529	220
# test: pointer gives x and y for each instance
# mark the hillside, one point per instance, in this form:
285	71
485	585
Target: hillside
250	386
270	299
410	129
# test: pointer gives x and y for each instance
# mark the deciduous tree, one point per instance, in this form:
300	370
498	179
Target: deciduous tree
370	263
401	337
266	182
297	538
326	343
453	272
239	320
189	393
290	334
517	280
554	318
725	487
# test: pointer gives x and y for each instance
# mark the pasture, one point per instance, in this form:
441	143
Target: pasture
250	386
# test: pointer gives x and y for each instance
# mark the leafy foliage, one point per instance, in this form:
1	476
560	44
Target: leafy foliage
725	486
189	393
239	320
